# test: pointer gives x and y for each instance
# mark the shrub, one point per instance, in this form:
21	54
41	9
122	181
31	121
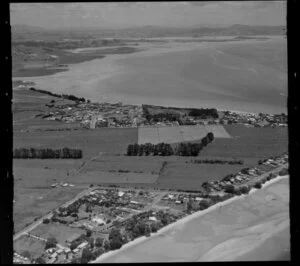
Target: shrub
245	189
46	221
257	185
51	243
40	260
229	189
203	204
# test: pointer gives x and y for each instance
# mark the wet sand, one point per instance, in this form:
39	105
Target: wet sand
251	227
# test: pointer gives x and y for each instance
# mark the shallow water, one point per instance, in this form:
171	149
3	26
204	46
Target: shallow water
245	76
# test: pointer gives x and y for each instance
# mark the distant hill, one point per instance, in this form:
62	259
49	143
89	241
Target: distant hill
27	32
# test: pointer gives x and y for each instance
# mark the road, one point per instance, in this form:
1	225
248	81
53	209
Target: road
49	215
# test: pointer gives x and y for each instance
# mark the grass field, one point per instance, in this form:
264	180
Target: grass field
27	104
34	202
179	133
110	140
259	143
25	243
146	164
59	231
99	177
191	176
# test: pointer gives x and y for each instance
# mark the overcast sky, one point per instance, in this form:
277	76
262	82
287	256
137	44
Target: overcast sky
178	14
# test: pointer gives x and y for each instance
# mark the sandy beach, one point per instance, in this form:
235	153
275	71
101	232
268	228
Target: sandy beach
226	231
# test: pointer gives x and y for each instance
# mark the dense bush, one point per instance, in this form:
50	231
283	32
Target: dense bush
229	189
203	204
46	221
244	189
257	185
283	172
204	113
33	153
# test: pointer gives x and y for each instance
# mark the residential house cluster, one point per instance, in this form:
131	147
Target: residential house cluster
254	120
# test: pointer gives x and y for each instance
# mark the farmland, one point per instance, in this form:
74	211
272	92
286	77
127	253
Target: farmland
178	175
176	134
111	140
32	203
249	143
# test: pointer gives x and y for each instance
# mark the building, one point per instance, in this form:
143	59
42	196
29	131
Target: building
73	238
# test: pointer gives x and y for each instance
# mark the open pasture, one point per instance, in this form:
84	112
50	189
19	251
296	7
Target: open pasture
259	143
91	142
61	232
99	177
34	246
31	203
191	176
141	164
177	134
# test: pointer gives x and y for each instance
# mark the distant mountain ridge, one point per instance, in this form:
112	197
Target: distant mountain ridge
155	31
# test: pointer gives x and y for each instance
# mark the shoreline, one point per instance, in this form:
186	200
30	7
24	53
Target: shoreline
186	219
98	77
176	45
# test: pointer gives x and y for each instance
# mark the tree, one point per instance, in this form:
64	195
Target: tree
88	232
154	227
73	245
229	188
40	260
99	242
46	221
115	243
106	245
91	242
203	204
257	185
51	243
245	189
147	230
86	256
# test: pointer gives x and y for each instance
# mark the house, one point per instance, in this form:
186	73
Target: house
152	218
198	198
82	245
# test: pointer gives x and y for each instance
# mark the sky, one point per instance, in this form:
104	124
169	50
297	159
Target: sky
132	14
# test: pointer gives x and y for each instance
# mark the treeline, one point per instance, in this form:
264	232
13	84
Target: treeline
204	113
217	161
34	153
64	96
165	149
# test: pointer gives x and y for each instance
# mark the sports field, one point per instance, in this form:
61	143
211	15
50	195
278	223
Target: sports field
177	134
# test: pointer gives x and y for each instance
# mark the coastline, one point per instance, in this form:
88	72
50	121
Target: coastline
124	77
188	218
